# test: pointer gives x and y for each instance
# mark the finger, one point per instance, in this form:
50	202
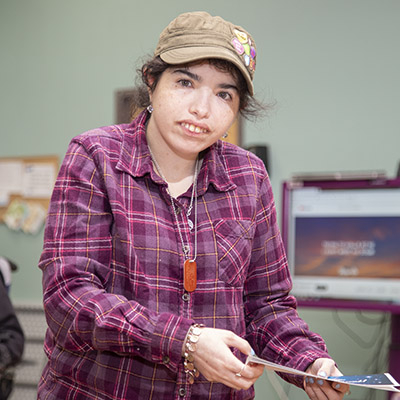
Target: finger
251	371
248	375
340	387
239	374
322	389
236	380
309	388
319	389
239	343
326	367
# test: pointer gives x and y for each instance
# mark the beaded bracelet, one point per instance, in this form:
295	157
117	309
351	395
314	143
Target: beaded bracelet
190	347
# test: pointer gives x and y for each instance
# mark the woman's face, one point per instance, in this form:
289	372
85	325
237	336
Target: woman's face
193	107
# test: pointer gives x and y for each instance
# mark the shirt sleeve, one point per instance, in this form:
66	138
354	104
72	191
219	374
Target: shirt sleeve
274	329
82	315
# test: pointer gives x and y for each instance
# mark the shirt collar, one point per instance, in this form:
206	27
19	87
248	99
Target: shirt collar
135	158
214	170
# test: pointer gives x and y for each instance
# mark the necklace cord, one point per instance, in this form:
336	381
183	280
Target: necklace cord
185	249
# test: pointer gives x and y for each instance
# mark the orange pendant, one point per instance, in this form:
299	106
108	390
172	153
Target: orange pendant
190	275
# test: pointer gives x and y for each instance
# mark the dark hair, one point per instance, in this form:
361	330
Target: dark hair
249	107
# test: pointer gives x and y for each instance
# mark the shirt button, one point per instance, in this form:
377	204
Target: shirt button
186	297
182	392
165	360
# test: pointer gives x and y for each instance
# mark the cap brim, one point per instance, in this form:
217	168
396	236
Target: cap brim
188	54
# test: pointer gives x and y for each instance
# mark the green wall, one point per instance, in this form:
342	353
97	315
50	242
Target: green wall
331	66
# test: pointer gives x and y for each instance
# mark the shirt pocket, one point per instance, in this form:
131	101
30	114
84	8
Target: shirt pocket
234	245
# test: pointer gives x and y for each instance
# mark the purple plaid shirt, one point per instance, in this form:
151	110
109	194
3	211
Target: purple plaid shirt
112	266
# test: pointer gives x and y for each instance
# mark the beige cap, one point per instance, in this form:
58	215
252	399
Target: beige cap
195	36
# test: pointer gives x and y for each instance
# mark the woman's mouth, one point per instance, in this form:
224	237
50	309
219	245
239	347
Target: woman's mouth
193	128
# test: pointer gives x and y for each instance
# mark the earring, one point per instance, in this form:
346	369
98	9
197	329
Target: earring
225	135
150	108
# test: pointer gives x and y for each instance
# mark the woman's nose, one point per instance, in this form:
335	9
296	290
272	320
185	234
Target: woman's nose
201	103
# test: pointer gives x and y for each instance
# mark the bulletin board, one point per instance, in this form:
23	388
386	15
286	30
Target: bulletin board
26	182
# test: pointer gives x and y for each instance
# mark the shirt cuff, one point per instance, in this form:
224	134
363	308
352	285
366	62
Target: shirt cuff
167	340
301	363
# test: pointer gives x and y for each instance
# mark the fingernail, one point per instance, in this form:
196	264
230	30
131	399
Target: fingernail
322	373
253	353
320	382
311	380
307	379
337	386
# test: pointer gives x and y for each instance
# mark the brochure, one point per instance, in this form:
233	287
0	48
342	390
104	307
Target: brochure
377	381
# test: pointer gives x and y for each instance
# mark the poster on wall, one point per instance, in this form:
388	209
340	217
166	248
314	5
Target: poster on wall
26	185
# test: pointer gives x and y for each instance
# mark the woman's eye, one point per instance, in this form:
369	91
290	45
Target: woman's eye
225	95
185	83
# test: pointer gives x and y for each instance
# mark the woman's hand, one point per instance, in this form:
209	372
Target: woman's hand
216	362
320	389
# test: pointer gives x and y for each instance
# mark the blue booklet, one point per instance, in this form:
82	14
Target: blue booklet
377	381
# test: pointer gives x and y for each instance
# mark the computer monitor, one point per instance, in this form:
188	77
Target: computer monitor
342	238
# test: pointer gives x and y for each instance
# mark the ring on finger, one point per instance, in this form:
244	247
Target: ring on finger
239	374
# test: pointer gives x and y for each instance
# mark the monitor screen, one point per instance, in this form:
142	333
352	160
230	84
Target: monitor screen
343	238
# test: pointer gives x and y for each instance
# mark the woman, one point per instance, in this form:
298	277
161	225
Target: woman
163	266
